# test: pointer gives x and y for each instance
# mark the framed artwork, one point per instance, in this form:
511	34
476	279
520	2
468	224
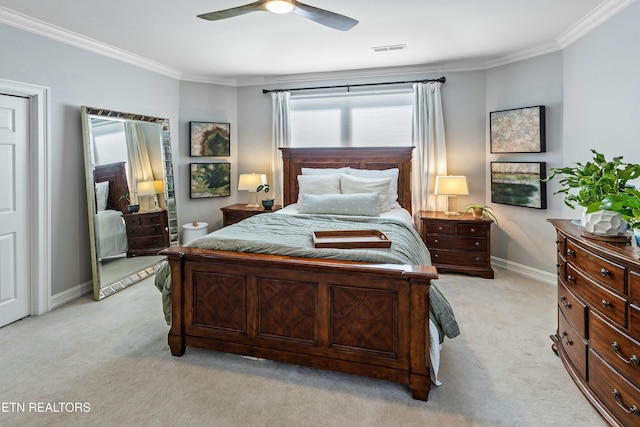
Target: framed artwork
209	139
519	184
520	130
210	180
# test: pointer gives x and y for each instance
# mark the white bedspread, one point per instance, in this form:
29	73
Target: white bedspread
112	234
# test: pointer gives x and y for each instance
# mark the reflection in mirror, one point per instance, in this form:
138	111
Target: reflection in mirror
130	193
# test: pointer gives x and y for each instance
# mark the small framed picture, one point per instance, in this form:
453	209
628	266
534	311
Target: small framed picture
519	184
520	130
209	139
210	180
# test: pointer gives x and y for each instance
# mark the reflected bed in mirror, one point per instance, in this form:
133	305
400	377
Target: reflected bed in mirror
130	192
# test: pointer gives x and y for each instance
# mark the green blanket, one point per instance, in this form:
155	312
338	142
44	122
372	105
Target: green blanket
292	235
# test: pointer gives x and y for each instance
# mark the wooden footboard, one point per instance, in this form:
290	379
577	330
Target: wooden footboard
364	319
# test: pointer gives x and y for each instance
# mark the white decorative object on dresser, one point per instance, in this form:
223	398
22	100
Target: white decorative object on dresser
598	336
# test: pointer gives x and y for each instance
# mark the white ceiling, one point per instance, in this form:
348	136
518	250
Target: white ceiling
262	47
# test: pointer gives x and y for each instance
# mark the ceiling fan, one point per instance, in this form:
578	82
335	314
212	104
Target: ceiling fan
321	16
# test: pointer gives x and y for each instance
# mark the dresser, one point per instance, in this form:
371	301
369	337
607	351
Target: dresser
598	336
147	232
459	244
238	212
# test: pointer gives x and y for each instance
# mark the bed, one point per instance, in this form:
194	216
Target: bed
353	316
110	182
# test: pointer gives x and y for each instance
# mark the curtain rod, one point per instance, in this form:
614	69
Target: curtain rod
441	80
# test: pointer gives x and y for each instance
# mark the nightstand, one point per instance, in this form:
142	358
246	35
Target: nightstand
147	233
460	244
238	212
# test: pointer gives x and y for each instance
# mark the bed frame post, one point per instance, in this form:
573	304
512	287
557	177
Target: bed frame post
176	334
419	376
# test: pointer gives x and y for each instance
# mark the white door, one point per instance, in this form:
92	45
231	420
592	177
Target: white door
15	282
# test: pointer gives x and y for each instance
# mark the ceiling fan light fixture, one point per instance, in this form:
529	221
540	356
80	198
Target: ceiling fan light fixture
279	6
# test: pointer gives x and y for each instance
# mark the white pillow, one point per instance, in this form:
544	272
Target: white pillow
352	184
385	173
324	171
102	195
365	204
317	184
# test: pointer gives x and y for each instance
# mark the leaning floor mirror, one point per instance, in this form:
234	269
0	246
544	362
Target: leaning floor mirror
131	196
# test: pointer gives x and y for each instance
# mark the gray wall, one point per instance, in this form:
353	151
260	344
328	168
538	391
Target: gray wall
523	236
77	77
205	103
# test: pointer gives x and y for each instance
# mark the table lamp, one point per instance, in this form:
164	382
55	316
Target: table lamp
149	190
451	186
250	182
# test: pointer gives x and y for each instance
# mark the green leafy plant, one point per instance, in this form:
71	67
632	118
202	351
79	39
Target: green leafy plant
265	188
126	196
594	180
626	203
478	211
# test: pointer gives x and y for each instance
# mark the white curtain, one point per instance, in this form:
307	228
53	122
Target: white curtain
138	165
430	154
281	137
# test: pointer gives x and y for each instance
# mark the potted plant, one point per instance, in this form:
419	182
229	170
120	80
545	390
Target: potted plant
131	207
266	202
588	184
478	211
627	204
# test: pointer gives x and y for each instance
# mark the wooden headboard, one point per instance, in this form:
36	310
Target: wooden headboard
116	174
378	158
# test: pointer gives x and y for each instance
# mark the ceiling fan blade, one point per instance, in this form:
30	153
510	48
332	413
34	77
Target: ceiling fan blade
235	11
324	17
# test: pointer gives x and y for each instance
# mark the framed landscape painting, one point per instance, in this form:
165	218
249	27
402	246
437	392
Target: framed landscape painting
520	130
210	180
519	184
209	139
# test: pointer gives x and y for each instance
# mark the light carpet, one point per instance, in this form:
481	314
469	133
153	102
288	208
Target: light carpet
108	363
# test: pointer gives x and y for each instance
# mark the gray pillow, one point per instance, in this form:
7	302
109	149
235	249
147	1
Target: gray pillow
365	204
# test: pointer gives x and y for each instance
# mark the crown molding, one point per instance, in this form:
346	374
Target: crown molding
597	16
49	31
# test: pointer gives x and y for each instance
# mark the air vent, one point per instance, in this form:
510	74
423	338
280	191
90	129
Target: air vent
389	48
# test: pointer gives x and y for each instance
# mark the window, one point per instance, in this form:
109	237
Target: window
353	119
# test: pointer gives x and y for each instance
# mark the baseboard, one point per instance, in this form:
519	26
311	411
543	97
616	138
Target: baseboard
69	295
532	273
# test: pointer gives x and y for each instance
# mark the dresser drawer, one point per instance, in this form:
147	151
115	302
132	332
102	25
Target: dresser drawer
147	243
456	243
600	299
634	287
445	227
634	320
610	274
466	229
561	268
150	219
617	394
616	348
476	259
149	230
573	344
573	309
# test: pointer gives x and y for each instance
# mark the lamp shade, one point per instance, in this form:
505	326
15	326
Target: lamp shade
251	181
451	186
159	186
146	188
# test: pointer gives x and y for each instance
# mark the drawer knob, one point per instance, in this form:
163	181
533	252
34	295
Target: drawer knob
570	252
566	338
473	230
436	241
557	241
632	410
564	301
477	259
435	255
605	303
604	272
633	360
476	244
570	278
440	228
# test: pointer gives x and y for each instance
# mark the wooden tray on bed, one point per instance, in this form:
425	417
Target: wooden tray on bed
350	239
